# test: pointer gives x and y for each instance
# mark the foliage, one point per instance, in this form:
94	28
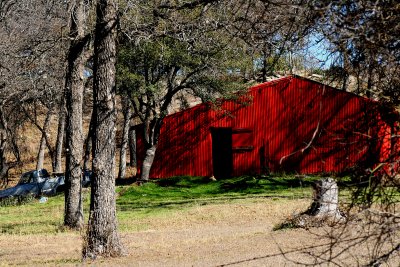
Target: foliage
183	57
166	66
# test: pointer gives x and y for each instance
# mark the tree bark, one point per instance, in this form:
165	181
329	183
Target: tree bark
3	147
326	199
132	148
125	140
102	237
264	69
60	139
323	210
73	214
42	145
88	145
152	129
147	163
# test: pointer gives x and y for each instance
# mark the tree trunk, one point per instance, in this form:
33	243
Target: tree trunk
102	237
42	145
3	147
88	146
326	199
125	140
264	68
4	167
147	163
132	148
152	129
73	213
323	210
60	139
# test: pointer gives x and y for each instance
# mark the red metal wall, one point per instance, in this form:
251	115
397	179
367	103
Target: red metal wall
291	124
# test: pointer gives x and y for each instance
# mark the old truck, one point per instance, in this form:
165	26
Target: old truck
37	183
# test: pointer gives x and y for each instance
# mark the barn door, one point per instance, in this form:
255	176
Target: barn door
222	152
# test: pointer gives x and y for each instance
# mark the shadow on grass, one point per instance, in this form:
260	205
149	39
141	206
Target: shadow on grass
177	192
125	181
183	181
239	183
277	184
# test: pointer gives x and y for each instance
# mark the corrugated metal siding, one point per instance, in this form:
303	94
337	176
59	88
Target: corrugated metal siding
296	125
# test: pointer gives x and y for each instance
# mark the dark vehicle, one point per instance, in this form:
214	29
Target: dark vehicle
37	182
86	178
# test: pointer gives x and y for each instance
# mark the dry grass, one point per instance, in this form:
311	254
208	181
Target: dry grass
200	235
235	233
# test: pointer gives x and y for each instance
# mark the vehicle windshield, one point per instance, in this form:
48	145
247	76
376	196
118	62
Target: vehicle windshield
25	178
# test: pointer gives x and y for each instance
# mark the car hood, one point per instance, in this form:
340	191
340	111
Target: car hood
47	187
20	190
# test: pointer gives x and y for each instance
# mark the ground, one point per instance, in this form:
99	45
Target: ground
194	221
206	235
235	233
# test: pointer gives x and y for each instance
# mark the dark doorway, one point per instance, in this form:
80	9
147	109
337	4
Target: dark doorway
222	152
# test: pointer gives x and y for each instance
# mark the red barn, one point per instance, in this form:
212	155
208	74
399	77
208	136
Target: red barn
291	124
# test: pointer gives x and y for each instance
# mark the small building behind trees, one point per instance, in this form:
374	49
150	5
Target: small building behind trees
290	124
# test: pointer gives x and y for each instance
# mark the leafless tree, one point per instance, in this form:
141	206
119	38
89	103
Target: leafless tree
42	143
102	237
78	54
31	61
362	39
60	137
127	110
8	127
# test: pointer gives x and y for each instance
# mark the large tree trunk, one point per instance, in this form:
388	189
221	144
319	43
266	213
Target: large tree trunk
326	199
42	145
132	148
323	210
147	163
151	133
60	139
73	215
125	140
102	237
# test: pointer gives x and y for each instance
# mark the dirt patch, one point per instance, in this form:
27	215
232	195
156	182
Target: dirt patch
229	234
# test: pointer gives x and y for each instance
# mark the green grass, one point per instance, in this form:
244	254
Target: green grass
35	217
32	217
165	196
137	205
153	199
168	193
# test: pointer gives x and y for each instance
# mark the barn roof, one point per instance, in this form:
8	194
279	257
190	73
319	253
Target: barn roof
265	85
